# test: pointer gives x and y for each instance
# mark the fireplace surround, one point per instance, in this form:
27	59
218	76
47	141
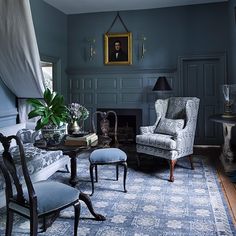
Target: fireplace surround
129	121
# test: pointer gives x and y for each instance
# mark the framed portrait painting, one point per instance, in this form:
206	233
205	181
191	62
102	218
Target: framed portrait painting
118	48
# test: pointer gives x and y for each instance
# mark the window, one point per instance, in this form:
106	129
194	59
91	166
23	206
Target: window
47	68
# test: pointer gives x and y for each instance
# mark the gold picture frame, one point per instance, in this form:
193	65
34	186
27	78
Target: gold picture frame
118	48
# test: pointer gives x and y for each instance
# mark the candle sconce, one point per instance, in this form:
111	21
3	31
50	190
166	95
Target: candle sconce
143	49
92	50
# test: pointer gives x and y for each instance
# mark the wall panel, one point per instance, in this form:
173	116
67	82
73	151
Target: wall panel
121	90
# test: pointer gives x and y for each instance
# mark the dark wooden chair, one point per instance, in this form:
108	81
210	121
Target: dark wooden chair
41	200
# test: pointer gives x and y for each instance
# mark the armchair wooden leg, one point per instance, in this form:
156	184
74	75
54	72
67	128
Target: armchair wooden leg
191	162
172	166
77	215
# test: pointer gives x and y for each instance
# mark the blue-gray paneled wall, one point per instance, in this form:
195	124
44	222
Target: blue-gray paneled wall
51	32
170	32
121	91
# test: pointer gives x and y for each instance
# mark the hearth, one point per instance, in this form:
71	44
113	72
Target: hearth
129	121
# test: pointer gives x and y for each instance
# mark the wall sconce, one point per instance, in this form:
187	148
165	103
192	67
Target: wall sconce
92	51
143	48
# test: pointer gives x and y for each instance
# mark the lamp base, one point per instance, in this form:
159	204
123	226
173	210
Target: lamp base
229	115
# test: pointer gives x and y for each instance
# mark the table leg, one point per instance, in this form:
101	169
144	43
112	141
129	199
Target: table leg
227	153
73	164
85	198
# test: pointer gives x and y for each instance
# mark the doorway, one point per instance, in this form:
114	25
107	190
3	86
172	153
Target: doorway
202	77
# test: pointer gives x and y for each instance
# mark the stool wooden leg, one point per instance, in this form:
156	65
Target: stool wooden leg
117	171
96	173
125	174
91	176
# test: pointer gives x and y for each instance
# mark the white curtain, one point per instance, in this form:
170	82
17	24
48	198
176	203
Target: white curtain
20	66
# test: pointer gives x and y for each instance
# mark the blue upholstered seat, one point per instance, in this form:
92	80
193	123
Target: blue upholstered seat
107	155
45	190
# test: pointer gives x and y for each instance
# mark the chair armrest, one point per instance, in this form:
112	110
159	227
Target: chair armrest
147	129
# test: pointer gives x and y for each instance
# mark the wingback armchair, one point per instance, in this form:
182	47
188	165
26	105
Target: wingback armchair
172	135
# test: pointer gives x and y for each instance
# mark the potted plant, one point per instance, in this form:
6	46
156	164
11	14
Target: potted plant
53	115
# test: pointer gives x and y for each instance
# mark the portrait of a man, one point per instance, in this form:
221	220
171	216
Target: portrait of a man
117	52
118	48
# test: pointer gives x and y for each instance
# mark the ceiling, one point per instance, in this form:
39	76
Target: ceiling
89	6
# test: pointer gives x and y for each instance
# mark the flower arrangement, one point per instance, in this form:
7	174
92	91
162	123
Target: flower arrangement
77	112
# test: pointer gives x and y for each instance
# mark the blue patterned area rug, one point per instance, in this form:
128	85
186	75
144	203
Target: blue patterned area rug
193	205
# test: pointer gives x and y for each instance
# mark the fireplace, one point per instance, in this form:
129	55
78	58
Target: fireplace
128	123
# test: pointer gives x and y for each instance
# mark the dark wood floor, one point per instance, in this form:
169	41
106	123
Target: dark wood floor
228	187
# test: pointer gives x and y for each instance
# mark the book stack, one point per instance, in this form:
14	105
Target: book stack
85	140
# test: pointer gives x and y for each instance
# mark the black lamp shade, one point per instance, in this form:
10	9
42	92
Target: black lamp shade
161	84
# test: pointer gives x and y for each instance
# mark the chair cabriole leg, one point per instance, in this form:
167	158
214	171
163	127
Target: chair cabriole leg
172	166
9	222
34	225
77	215
91	177
125	174
96	173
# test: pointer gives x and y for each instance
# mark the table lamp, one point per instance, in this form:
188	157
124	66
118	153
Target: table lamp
229	91
161	84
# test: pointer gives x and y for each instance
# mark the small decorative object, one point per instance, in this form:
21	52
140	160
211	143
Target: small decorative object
228	92
92	51
143	49
53	114
105	140
73	127
77	115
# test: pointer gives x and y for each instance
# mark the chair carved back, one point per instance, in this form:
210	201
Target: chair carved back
9	170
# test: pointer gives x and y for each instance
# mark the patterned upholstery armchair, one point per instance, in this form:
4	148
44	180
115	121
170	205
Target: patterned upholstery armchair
172	135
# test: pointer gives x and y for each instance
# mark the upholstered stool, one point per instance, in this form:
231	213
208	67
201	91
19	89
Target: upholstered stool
108	156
